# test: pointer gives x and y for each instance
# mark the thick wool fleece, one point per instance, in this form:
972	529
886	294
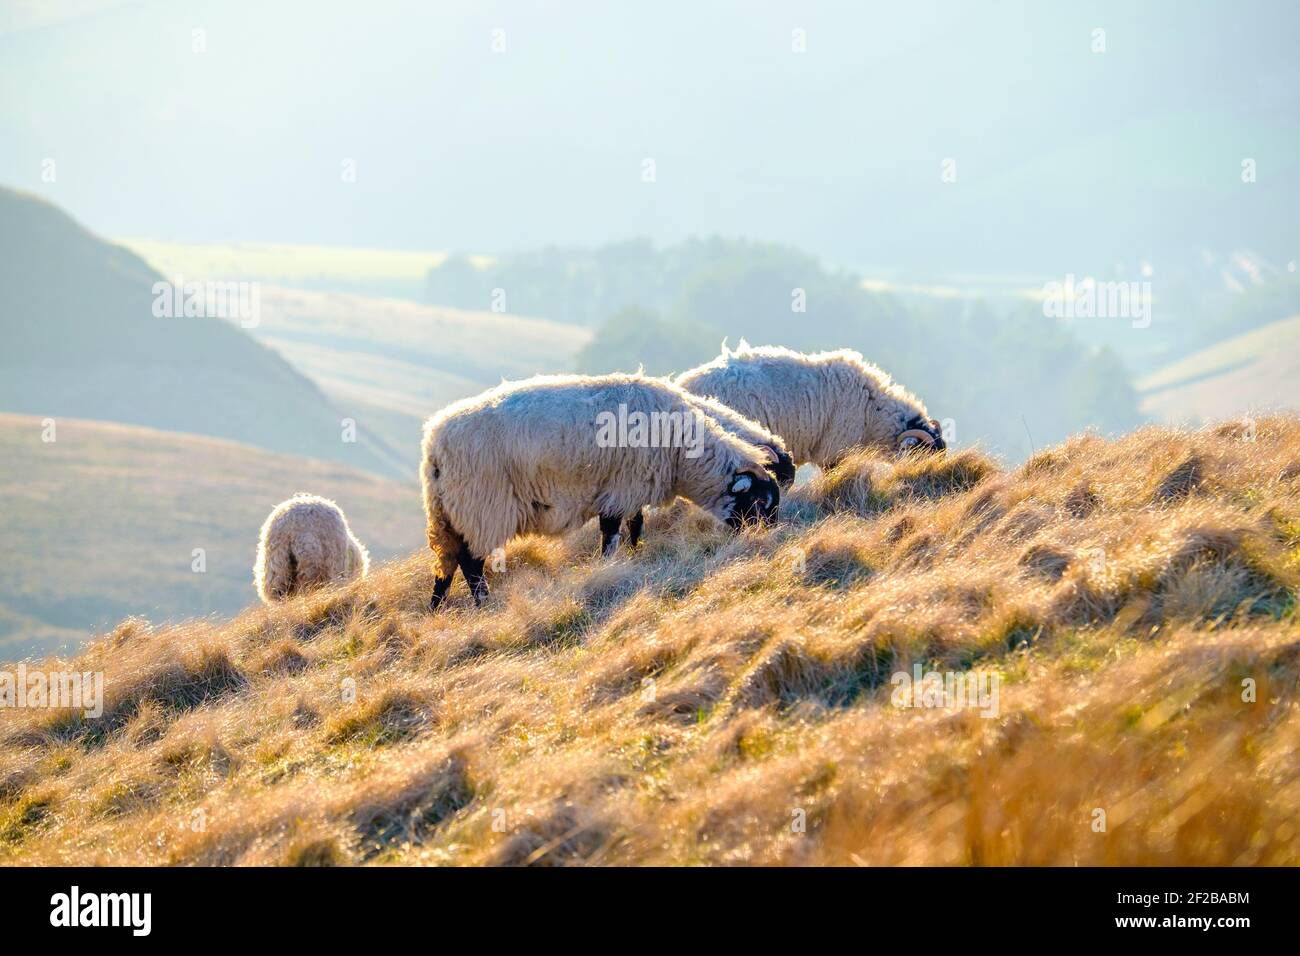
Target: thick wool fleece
306	543
526	457
744	428
822	404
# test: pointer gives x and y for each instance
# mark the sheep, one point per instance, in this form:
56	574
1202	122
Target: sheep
781	466
822	404
545	454
305	543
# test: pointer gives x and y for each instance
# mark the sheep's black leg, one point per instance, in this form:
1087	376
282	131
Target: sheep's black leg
634	526
472	568
440	588
609	533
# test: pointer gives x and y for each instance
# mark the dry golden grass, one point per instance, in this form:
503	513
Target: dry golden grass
692	702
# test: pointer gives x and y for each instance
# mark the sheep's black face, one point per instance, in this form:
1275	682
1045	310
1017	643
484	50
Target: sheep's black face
921	435
783	469
755	499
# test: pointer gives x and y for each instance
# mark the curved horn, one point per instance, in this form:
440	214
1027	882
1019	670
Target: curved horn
917	433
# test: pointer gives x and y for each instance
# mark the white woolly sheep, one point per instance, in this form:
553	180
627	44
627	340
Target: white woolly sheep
823	404
781	466
546	454
306	543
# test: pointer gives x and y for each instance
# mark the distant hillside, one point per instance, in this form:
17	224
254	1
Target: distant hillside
80	339
391	363
103	522
1257	371
386	272
1127	609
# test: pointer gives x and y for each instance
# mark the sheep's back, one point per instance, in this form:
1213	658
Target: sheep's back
784	394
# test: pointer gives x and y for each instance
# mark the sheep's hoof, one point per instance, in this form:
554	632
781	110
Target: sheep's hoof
610	545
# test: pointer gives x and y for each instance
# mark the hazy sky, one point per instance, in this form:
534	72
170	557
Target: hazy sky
1063	156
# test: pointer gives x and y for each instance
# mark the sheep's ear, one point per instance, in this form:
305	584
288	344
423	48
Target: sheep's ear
743	482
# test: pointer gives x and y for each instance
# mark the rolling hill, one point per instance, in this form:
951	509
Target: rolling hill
719	699
103	522
1252	373
81	340
386	362
379	272
391	362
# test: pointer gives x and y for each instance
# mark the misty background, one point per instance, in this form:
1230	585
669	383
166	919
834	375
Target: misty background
1067	159
430	197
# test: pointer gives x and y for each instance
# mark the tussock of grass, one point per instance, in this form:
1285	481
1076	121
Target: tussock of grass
319	851
394	715
285	657
692	701
1182	481
123	796
404	809
182	678
20	817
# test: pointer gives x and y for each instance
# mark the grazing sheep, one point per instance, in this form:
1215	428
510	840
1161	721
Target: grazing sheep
781	466
305	543
746	429
546	454
822	404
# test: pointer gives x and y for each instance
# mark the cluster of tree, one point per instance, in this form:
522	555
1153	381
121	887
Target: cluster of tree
587	286
1009	380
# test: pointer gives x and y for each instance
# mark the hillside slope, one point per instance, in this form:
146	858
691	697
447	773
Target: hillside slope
380	272
391	363
1250	373
719	699
81	340
103	522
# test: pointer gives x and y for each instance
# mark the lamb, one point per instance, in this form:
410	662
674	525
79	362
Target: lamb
306	543
546	454
822	404
780	466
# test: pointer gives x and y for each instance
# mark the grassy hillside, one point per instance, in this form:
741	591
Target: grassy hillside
698	700
102	523
1257	371
81	340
